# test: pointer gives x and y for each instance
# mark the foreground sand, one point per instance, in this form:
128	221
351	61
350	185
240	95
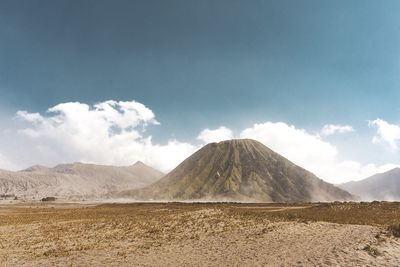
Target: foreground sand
195	235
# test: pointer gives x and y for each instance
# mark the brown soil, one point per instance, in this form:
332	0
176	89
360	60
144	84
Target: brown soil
203	234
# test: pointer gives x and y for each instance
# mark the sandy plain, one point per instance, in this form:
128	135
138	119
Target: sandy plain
199	234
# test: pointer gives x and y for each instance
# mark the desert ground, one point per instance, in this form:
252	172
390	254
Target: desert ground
200	234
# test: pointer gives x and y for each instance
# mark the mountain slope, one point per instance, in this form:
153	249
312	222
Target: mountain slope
76	179
243	170
381	186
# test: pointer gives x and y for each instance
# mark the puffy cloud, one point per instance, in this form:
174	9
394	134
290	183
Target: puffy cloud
331	129
220	134
109	132
304	149
115	133
386	133
310	152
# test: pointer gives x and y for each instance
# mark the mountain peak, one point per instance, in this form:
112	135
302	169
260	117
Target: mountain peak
241	169
76	179
235	142
139	163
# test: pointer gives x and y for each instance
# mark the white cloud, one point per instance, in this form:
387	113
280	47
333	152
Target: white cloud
304	149
386	133
109	132
114	133
331	129
220	134
310	152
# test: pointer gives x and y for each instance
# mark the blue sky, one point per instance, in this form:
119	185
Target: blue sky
206	64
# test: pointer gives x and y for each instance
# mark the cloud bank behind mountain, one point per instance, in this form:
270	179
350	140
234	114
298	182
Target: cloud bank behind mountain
117	133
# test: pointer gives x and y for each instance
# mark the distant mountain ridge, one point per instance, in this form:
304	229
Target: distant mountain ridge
239	170
76	180
381	186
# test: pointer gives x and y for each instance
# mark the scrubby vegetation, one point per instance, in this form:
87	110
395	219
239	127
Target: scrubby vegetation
376	213
373	251
48	199
394	229
62	230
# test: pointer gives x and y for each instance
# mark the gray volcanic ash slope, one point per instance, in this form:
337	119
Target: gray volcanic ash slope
77	179
239	170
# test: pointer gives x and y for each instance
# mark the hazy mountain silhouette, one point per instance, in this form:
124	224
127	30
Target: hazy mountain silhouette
381	186
77	179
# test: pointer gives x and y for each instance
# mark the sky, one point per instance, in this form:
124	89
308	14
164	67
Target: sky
112	82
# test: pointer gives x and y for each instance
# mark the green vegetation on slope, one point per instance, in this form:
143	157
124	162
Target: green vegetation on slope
242	170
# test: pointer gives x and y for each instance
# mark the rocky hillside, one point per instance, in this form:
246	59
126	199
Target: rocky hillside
239	170
75	180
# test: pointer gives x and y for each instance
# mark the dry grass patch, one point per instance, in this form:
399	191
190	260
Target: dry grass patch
125	229
373	251
394	229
